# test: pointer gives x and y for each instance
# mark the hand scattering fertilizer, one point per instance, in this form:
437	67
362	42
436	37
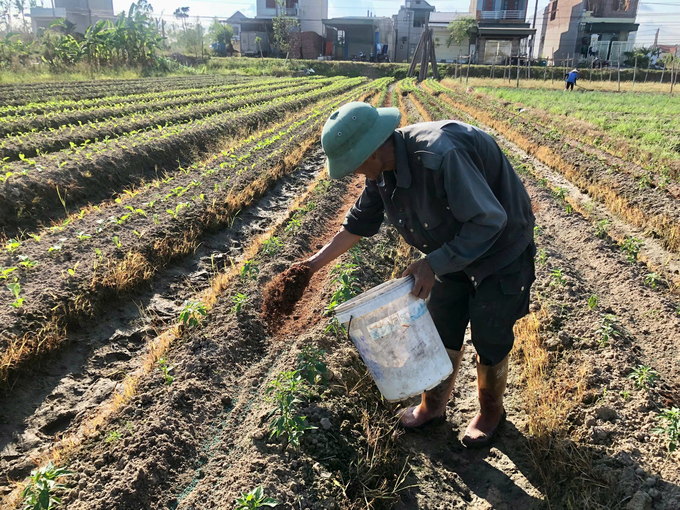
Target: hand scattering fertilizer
397	339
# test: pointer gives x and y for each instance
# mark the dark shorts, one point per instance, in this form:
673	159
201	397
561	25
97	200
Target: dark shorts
491	310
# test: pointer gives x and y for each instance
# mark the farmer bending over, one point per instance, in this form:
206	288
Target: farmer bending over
450	192
571	79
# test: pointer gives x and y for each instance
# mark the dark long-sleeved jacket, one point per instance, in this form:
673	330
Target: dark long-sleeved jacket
454	196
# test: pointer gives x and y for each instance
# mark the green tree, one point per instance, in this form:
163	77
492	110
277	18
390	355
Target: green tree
643	55
459	29
220	32
283	26
182	13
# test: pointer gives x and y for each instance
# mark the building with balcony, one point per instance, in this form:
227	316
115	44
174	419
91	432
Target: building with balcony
502	30
409	25
308	12
351	36
586	29
82	13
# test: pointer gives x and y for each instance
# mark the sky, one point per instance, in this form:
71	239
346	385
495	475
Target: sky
652	14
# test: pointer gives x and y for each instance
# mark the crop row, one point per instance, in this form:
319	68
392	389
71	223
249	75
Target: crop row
47	105
103	255
38	189
18	95
652	143
51	140
28	123
642	206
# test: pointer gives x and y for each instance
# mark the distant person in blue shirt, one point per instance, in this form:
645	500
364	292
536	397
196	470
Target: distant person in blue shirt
571	79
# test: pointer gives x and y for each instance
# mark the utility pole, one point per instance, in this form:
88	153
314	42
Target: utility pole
673	69
533	36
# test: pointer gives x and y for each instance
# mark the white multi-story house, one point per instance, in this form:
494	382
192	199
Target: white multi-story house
309	13
82	13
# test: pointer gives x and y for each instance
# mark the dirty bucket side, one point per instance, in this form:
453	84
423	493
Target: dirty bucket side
397	339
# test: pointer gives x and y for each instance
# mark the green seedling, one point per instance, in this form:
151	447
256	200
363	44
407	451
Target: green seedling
631	247
72	272
239	301
652	279
113	436
607	330
57	247
293	225
601	229
26	262
155	219
557	278
286	391
670	425
39	492
538	230
249	270
82	236
645	377
559	194
625	394
344	274
98	252
311	365
255	499
5	272
117	242
35	237
542	257
192	312
592	302
165	370
271	246
15	289
12	245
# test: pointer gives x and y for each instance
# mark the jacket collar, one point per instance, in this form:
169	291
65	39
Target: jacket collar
403	170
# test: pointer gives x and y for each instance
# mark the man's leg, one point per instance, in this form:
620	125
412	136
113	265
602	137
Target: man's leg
448	306
499	302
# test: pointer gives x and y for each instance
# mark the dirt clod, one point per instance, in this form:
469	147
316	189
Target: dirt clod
281	294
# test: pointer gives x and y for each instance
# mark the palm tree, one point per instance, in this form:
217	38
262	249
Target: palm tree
182	13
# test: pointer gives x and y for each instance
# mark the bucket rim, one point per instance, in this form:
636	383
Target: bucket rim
364	302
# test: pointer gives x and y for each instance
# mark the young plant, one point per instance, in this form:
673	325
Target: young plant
652	279
165	370
5	271
15	289
249	271
26	262
557	278
271	246
72	272
542	257
645	377
239	301
670	425
631	247
82	236
191	312
39	492
12	245
286	391
311	365
601	229
116	241
255	499
607	330
344	274
592	302
113	436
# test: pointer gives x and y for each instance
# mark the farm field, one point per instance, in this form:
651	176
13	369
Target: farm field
141	221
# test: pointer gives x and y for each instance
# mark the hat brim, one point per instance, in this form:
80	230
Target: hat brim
387	121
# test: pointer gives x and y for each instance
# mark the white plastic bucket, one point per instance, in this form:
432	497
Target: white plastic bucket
397	339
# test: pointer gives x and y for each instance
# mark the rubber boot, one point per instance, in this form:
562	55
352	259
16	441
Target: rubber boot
433	403
491	381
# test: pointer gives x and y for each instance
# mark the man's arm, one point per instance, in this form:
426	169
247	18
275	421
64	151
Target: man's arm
363	220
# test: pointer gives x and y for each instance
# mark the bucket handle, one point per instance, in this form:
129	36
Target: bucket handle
349	326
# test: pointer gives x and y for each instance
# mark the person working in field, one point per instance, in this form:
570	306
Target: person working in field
450	192
570	79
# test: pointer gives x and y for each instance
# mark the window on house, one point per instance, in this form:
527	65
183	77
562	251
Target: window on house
271	4
510	5
418	23
488	5
553	10
620	5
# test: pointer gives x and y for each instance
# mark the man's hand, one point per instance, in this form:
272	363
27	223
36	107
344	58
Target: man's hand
424	276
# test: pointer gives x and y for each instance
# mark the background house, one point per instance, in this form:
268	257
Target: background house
351	35
439	22
501	29
588	28
409	24
82	13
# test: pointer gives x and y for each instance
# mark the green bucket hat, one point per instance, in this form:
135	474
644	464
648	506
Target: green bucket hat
353	133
